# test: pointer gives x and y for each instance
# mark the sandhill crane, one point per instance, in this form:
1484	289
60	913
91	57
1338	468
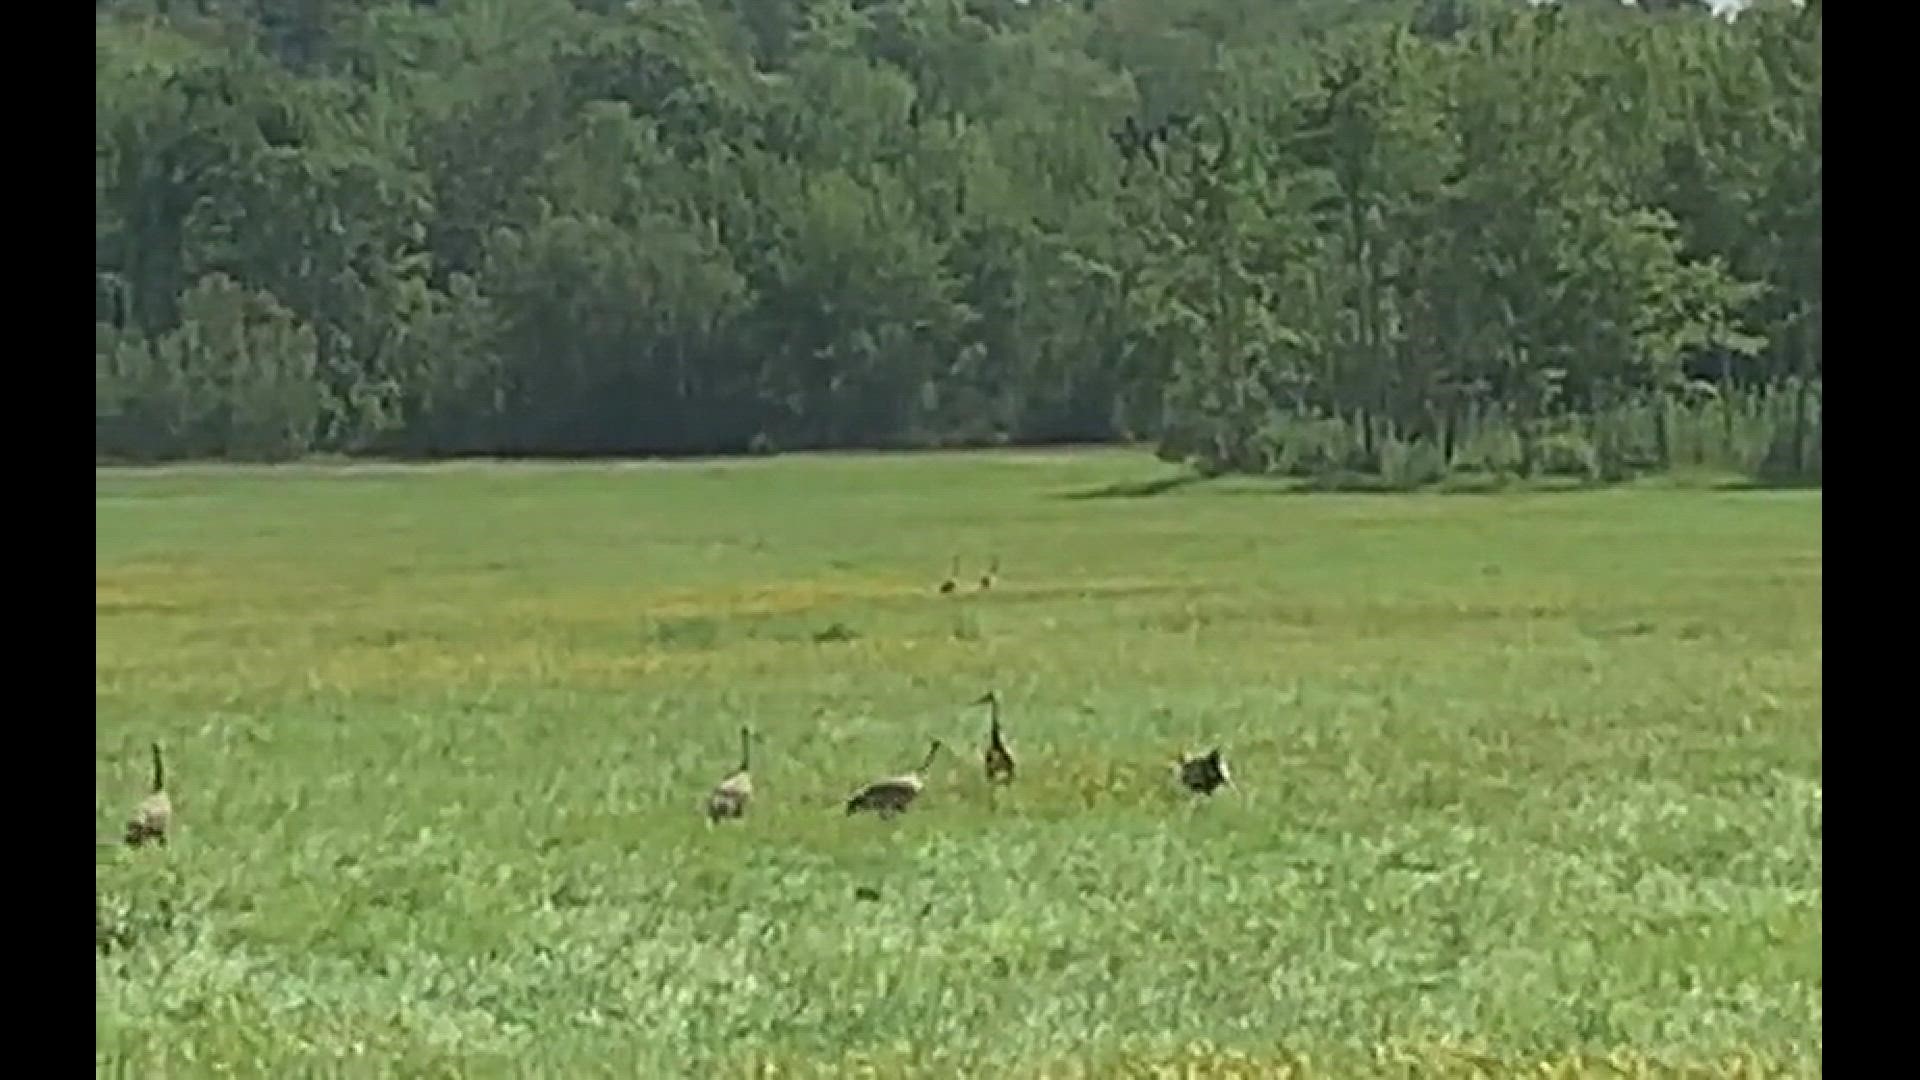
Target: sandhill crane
953	578
731	796
154	815
998	761
993	572
1205	773
893	794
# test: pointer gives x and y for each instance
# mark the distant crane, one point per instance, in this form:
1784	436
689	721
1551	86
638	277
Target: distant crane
1205	773
893	794
152	818
999	761
731	796
993	573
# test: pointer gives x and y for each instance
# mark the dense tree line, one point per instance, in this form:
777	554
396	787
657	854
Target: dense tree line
1388	239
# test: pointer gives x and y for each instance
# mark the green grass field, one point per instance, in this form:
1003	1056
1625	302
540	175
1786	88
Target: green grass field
1524	778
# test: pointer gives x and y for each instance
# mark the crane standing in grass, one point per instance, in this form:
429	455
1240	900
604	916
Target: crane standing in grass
893	794
999	761
953	578
731	796
993	574
154	815
1205	773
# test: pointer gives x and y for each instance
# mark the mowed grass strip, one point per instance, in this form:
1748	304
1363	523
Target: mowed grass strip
1527	780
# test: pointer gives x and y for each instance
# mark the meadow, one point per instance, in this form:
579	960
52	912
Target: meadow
1524	779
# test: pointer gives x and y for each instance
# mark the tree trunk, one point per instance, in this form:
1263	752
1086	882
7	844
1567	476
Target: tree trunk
1524	428
1662	439
1800	427
1389	431
1800	401
1726	401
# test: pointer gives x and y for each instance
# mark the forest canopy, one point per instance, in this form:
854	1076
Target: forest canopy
1396	240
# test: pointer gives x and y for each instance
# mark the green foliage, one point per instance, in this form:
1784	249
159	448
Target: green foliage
239	375
544	226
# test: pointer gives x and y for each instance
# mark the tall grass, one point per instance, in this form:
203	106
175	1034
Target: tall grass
1732	432
1525	779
